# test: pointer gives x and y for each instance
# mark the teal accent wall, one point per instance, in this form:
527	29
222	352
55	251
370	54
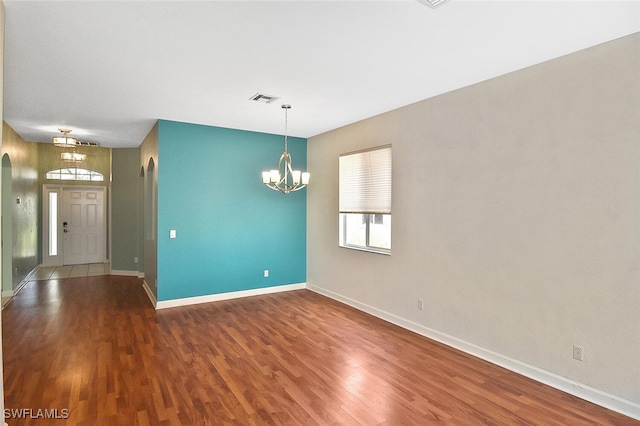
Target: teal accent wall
230	227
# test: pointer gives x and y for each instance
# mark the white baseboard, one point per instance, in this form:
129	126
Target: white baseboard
23	282
596	396
13	292
227	296
125	273
150	294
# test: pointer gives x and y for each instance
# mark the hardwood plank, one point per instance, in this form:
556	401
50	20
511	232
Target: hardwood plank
96	347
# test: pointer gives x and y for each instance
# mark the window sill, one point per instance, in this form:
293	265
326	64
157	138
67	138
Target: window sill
367	249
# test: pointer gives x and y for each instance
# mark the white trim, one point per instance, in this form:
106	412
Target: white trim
25	280
596	396
60	188
46	259
125	273
21	284
150	294
226	296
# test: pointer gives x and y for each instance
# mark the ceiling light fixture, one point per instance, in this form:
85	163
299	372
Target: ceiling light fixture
64	140
285	179
73	157
432	3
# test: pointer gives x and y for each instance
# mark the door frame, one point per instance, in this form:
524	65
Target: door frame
57	259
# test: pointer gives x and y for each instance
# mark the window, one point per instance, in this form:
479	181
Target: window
53	223
365	200
74	173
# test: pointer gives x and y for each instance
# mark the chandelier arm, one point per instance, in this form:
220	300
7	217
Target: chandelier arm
272	186
288	161
285	170
286	189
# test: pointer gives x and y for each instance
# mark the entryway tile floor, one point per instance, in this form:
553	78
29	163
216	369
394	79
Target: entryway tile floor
71	271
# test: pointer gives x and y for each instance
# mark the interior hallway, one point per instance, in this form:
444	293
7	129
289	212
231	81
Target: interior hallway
44	273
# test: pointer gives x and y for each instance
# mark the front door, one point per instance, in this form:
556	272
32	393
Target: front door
83	225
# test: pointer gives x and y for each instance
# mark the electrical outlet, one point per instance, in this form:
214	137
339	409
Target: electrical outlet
578	352
420	304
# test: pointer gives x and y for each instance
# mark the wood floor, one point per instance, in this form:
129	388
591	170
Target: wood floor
95	346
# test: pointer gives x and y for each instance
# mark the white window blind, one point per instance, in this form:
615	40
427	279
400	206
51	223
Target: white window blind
365	181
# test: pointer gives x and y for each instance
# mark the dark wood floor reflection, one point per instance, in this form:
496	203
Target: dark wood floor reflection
95	346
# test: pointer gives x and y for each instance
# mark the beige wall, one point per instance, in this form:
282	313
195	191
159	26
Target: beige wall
2	236
20	163
516	211
149	208
125	214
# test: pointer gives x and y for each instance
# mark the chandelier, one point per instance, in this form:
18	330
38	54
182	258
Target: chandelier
64	141
284	178
73	157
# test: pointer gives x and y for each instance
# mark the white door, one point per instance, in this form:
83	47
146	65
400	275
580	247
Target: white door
83	225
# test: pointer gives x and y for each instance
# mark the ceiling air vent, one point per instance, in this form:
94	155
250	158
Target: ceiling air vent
85	143
432	3
265	99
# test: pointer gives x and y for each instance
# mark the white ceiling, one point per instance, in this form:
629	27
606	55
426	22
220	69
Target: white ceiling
109	69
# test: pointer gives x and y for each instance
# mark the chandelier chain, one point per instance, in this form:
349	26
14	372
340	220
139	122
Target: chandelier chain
286	126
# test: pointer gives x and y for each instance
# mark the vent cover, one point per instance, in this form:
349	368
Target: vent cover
432	3
265	99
